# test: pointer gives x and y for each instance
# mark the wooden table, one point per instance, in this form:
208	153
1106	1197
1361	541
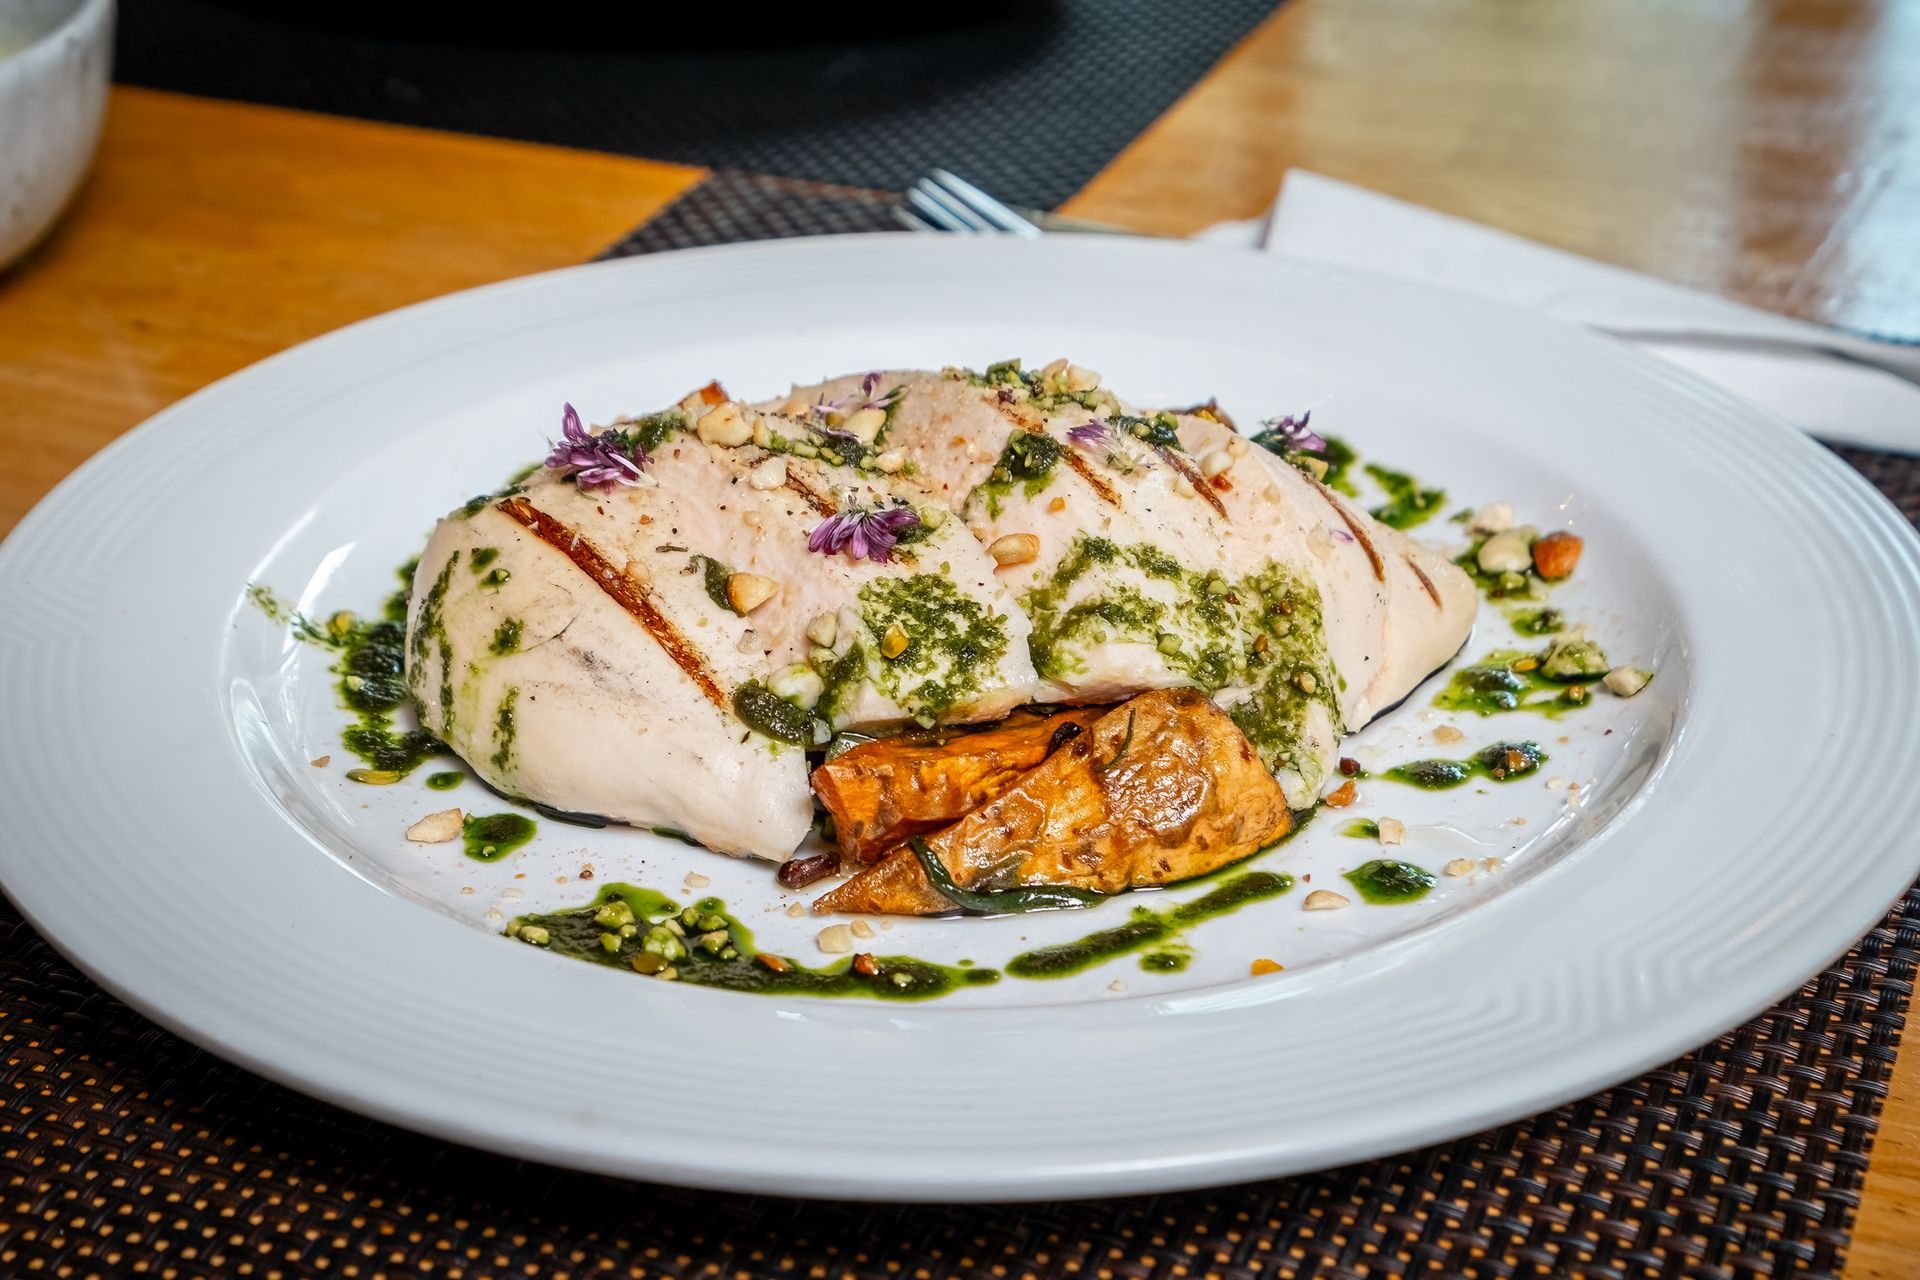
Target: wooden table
1765	151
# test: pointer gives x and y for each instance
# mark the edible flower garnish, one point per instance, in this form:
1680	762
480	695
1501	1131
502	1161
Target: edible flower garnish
865	535
597	462
852	403
1293	434
1121	454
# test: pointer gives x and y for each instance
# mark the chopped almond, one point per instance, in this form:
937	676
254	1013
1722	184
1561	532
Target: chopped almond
1014	548
1341	796
436	828
1555	555
748	591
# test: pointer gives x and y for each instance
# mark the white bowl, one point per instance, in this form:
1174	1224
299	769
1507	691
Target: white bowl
54	60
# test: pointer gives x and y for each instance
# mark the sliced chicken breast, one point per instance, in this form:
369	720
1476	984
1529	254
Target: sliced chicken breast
1157	549
661	648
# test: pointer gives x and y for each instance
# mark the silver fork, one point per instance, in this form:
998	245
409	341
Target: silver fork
944	201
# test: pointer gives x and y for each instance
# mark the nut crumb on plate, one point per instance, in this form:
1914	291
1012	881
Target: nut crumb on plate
698	880
796	911
861	929
835	939
1392	830
1459	866
321	762
1116	985
1447	733
436	828
1324	900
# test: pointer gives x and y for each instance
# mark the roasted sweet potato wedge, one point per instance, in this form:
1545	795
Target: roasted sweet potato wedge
880	793
1160	788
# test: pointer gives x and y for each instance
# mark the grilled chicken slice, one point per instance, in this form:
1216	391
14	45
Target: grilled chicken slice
1160	549
662	652
1161	789
882	792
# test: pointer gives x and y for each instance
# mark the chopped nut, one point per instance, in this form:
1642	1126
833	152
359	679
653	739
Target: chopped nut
768	960
1079	379
1264	966
1324	900
894	643
1447	733
1492	864
374	777
436	828
933	517
1014	548
1237	446
1555	555
321	762
1458	866
1509	551
748	591
864	966
1183	486
1626	681
534	935
1116	985
1392	830
1305	681
1556	782
796	910
726	426
799	684
1215	463
864	424
769	473
861	929
1341	796
835	939
1527	664
1057	505
586	871
824	630
695	880
1495	517
890	462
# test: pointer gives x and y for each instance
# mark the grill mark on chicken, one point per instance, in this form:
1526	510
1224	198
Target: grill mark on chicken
620	588
1425	581
1101	489
1198	481
814	498
1354	527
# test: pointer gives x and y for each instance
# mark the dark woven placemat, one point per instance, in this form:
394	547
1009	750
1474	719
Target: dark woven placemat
124	1150
1030	98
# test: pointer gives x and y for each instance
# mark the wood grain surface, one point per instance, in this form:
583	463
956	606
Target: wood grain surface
211	235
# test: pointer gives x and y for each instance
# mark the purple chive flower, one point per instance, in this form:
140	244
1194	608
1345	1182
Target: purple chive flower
1295	434
1342	535
853	402
865	535
1090	433
595	461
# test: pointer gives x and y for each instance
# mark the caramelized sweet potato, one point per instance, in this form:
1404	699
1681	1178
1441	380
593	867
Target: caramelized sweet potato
880	793
1161	788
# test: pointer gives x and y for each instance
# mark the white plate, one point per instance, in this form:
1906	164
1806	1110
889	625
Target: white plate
1735	827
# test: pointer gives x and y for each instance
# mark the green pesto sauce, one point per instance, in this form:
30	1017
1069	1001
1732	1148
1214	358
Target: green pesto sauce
626	927
649	433
1537	622
952	642
446	781
1513	585
713	576
1386	881
1148	928
1362	829
1263	631
506	637
1494	685
1026	461
504	730
493	837
482	558
839	683
766	712
1408	502
1502	762
494	579
372	682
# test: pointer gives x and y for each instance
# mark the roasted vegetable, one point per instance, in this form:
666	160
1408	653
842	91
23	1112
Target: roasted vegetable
1159	789
882	792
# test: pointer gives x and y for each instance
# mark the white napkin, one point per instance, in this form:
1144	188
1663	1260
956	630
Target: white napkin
1810	375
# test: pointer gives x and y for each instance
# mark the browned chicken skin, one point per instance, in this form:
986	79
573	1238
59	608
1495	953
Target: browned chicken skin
1159	789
